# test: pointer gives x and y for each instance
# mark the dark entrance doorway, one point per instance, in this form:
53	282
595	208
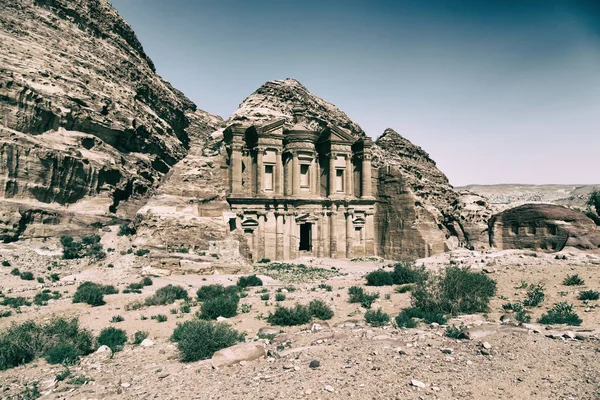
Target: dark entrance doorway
305	237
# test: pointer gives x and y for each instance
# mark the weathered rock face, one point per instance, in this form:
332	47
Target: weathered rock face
419	213
543	227
82	112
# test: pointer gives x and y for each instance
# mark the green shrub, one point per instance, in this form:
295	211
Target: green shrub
403	320
377	318
199	339
280	297
136	286
457	290
290	316
264	261
62	375
185	309
404	288
117	318
40	279
22	343
320	310
380	278
561	313
408	273
26	276
41	299
126	230
358	295
167	295
326	287
147	281
113	338
265	297
247	281
15	272
573	280
65	354
54	277
5	314
5	263
141	252
212	291
90	293
594	200
455	332
88	247
221	306
535	296
428	316
589	295
159	317
139	336
15	302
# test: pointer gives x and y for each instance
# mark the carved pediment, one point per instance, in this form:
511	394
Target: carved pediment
335	134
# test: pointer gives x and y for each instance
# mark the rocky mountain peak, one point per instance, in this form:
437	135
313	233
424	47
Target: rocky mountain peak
279	98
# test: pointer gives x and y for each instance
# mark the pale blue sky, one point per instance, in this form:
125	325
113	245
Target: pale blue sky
497	91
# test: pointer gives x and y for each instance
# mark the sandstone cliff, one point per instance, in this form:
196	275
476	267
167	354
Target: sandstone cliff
85	122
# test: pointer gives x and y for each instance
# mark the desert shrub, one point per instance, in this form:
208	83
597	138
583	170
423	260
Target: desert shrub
90	293
535	296
199	339
15	302
320	310
594	200
280	297
247	281
212	291
126	230
109	289
457	290
377	318
573	280
5	314
326	287
220	306
520	313
41	299
404	288
593	216
265	297
167	295
561	313
40	279
88	247
141	252
358	295
159	317
26	276
54	277
290	316
22	343
65	354
380	277
428	316
264	261
403	320
62	375
589	295
113	338
454	332
139	336
5	263
147	281
185	308
15	272
408	273
117	318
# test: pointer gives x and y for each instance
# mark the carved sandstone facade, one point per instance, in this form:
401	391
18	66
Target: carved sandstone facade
298	191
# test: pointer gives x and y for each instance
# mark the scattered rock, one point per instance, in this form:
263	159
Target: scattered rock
237	353
329	388
417	384
147	343
314	364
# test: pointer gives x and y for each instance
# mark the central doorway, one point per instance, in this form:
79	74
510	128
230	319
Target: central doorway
305	237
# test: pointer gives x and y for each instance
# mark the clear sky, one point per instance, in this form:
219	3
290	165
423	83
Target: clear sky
497	91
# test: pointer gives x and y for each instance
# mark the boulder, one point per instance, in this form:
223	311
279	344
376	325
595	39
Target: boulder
237	353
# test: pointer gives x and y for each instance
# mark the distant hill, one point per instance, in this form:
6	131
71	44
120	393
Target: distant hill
511	195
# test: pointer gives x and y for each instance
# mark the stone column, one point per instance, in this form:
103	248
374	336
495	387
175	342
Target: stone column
317	176
370	249
349	233
321	234
349	176
278	172
259	170
331	174
259	244
313	176
292	237
366	176
296	174
278	235
235	169
287	177
332	233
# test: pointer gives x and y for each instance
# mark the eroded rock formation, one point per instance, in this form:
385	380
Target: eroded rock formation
544	227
